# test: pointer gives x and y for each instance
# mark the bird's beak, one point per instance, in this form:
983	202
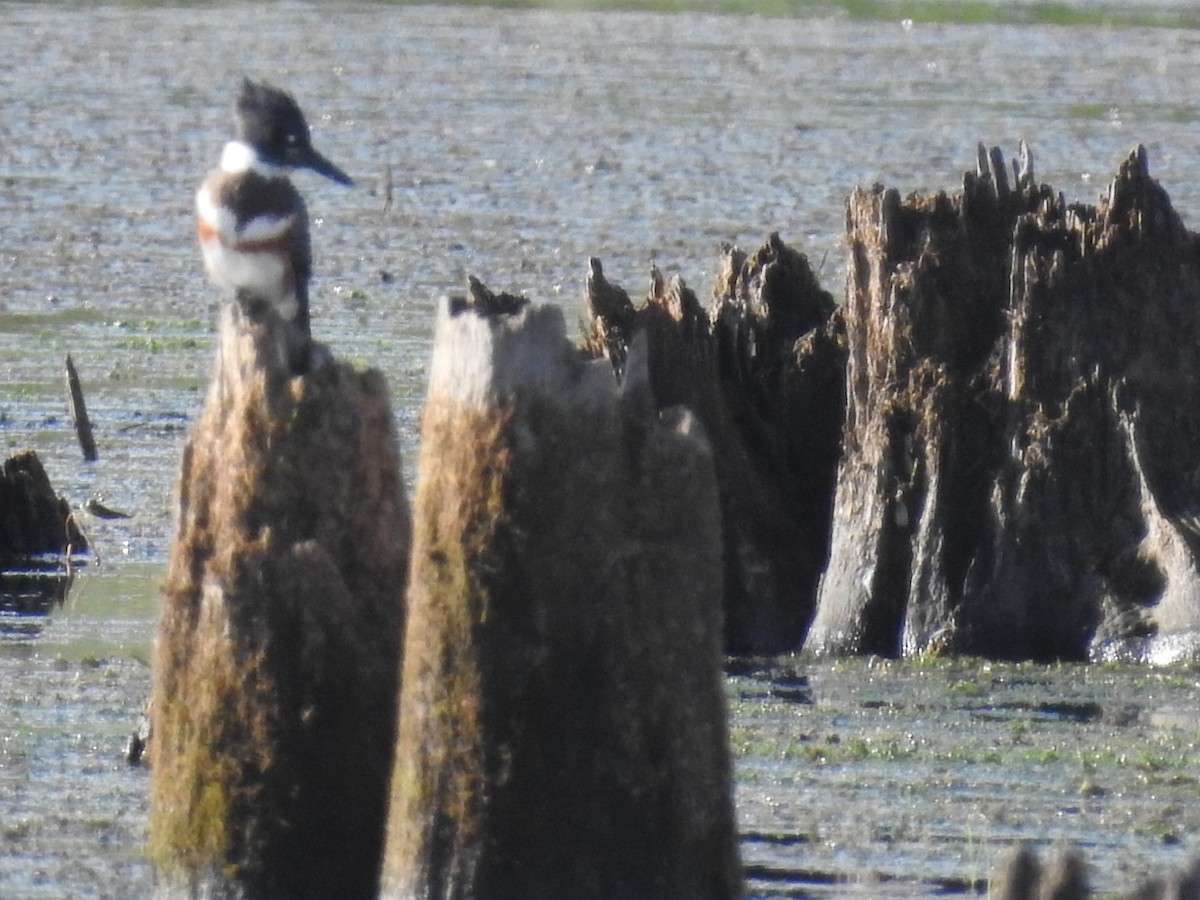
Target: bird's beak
311	159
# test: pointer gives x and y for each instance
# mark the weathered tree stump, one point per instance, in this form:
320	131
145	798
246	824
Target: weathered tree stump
563	729
763	370
1023	877
1019	472
33	519
1181	885
276	659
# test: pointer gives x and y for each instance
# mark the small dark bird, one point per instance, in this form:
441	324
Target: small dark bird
252	223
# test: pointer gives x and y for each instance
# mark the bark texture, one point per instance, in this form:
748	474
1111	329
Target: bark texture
276	659
763	370
1020	471
33	519
563	729
1064	877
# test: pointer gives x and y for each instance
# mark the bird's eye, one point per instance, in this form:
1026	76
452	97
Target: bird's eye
292	138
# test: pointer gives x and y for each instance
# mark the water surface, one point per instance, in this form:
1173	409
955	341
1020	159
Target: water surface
520	142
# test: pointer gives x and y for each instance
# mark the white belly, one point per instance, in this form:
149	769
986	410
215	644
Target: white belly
262	274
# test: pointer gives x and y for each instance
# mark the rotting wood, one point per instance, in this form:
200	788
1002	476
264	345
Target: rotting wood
1018	470
1064	877
563	728
34	520
1024	878
276	656
77	409
763	370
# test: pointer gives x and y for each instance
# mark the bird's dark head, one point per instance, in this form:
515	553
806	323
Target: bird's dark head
270	121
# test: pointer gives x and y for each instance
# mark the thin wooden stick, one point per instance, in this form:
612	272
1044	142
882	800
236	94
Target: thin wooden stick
78	411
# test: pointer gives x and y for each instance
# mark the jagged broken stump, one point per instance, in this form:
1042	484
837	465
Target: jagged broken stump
763	368
1021	470
563	729
276	658
33	518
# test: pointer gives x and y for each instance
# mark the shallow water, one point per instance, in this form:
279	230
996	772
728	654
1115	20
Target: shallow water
519	144
910	780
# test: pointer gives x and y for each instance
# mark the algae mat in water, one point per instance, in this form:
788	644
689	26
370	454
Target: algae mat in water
919	777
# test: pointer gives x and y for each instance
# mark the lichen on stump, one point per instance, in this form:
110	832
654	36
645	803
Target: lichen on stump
563	729
276	658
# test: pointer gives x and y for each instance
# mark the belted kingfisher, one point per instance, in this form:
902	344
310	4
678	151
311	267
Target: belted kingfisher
252	223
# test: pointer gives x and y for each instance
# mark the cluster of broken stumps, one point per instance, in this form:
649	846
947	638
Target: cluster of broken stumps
514	689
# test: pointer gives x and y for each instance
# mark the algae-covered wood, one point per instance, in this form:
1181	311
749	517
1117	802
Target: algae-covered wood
563	727
276	657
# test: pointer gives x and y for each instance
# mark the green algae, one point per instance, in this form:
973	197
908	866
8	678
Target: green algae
950	12
1100	755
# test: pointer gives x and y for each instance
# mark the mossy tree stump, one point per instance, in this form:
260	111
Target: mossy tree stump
1019	475
276	658
563	729
763	369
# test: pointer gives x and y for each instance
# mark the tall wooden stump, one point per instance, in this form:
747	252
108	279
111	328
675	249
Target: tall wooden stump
763	370
563	729
925	295
276	659
1019	470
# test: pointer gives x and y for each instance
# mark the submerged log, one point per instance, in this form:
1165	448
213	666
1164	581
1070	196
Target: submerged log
33	519
763	370
276	658
563	728
1019	476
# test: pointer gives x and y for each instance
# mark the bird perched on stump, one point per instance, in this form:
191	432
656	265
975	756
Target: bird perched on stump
251	220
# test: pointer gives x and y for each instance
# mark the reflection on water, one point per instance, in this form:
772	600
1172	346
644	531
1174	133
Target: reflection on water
30	593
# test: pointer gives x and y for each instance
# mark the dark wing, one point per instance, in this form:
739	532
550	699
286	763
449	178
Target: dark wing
302	264
278	198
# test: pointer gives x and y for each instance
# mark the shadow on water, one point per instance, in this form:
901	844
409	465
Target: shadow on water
29	592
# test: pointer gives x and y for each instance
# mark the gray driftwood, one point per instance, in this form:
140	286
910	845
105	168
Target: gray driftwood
276	658
1021	469
563	728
